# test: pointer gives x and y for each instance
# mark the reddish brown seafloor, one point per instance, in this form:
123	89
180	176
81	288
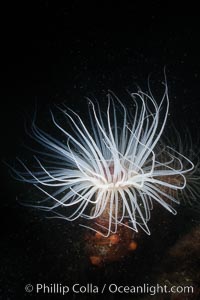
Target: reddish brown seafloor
101	249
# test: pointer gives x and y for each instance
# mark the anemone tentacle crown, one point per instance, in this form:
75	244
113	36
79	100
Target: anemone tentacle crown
115	169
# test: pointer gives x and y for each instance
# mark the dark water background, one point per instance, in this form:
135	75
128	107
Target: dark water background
55	54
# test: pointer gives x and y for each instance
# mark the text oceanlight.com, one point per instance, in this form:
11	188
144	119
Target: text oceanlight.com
89	288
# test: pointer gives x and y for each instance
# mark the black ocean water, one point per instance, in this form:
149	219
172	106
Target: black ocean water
55	54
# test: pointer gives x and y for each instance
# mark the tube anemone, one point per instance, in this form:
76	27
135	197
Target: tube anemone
116	168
